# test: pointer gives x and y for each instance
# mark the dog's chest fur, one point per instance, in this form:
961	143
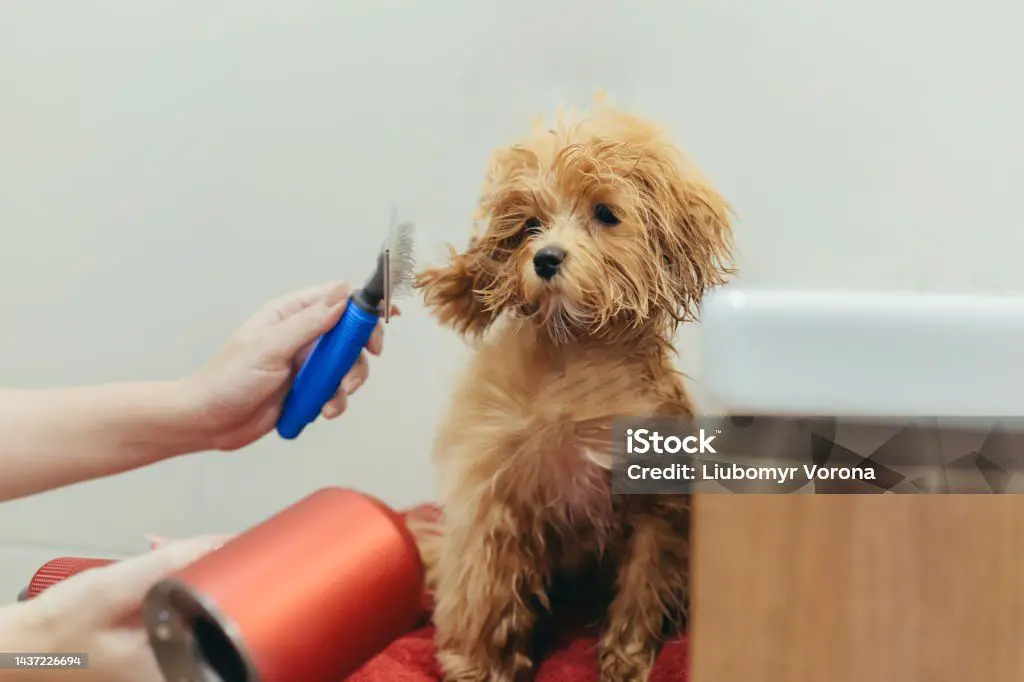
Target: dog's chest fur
534	422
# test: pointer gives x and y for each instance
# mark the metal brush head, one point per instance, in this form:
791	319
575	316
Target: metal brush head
401	262
394	273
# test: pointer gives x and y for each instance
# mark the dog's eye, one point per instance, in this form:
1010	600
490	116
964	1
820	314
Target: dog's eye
532	225
605	215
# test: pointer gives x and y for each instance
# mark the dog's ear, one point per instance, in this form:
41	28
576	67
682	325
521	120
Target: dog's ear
462	293
452	291
691	230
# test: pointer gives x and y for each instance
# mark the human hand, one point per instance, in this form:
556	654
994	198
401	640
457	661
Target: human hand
240	392
97	612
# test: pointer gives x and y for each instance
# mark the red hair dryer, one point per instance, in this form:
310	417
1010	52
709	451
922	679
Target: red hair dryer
309	595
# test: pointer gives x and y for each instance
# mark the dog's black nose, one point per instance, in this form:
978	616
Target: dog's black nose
547	261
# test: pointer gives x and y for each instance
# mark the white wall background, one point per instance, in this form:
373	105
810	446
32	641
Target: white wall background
167	166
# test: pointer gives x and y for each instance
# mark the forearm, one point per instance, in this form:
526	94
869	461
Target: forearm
52	438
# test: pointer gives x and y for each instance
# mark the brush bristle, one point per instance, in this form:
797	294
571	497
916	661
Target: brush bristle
402	247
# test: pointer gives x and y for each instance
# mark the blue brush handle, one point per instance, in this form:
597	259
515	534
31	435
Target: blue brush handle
331	359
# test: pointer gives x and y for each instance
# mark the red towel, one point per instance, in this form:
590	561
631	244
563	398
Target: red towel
411	659
571	656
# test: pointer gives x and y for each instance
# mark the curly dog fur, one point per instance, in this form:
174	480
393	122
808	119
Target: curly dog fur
597	238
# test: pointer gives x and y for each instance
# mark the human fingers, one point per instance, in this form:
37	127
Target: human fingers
376	343
336	406
302	356
286	340
356	377
106	594
158	541
283	307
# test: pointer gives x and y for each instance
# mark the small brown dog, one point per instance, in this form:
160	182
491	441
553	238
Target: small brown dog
599	238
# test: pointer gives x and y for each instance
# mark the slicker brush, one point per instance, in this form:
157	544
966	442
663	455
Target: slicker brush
335	353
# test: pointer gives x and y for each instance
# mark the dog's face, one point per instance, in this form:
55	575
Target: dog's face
598	228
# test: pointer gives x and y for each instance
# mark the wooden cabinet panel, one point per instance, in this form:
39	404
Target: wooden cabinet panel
858	588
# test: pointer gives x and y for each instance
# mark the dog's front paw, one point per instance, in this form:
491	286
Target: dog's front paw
489	590
498	656
651	597
461	668
625	659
